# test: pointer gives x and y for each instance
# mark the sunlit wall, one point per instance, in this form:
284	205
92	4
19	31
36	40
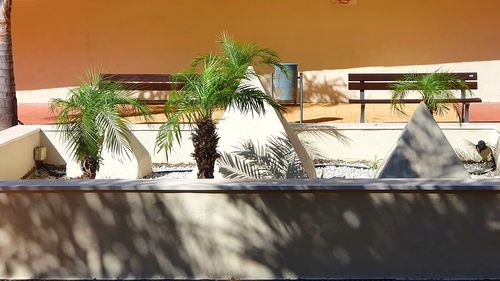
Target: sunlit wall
56	40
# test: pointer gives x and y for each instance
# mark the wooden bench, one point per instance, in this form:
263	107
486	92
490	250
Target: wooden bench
384	81
145	82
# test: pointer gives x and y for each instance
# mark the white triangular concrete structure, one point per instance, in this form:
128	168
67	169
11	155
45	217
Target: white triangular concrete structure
135	167
263	131
422	151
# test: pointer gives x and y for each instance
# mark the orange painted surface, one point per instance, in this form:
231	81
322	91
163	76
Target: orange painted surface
34	113
485	112
55	40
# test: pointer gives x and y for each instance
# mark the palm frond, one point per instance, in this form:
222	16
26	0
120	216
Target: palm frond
249	99
436	89
234	167
275	160
169	131
216	81
90	120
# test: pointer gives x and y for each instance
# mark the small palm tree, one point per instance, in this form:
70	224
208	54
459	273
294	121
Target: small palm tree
90	120
435	88
212	83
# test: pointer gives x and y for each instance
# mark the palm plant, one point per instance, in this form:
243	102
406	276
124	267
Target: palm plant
90	120
214	82
436	89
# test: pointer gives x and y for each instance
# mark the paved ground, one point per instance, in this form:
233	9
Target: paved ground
33	113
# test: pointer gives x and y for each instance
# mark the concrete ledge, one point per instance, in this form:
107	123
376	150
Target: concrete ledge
16	133
253	186
390	126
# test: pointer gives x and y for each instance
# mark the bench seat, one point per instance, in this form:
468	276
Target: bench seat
145	82
388	101
384	81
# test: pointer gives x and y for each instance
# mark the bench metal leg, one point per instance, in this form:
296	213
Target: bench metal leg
465	108
466	113
362	114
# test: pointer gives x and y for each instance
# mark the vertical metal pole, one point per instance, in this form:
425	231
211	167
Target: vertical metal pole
362	114
301	97
466	112
272	85
465	108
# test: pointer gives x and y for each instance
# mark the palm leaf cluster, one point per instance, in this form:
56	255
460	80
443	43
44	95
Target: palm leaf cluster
275	160
214	82
90	119
437	90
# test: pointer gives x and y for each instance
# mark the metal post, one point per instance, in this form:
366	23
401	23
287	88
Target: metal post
362	114
465	108
301	97
466	112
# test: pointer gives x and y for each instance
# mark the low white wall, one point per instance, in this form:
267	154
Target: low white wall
372	142
350	142
334	140
324	229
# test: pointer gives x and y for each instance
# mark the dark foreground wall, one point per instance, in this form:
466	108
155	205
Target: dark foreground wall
311	229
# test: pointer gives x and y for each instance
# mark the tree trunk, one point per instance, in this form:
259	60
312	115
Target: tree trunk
8	101
205	140
89	166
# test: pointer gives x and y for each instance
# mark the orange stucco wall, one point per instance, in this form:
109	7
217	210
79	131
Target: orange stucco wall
55	40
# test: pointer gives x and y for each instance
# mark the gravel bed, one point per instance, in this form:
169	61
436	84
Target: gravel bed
344	170
325	170
481	170
177	171
337	169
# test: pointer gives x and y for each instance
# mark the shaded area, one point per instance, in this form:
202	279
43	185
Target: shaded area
422	151
319	88
310	134
276	159
89	235
256	235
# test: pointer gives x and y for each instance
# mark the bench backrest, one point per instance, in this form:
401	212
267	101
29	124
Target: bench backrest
383	81
145	82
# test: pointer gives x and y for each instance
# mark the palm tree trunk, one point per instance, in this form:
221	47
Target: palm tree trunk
8	101
89	166
205	140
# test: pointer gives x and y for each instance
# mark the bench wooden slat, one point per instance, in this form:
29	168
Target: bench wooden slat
138	77
145	82
152	86
153	102
388	101
388	85
397	76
